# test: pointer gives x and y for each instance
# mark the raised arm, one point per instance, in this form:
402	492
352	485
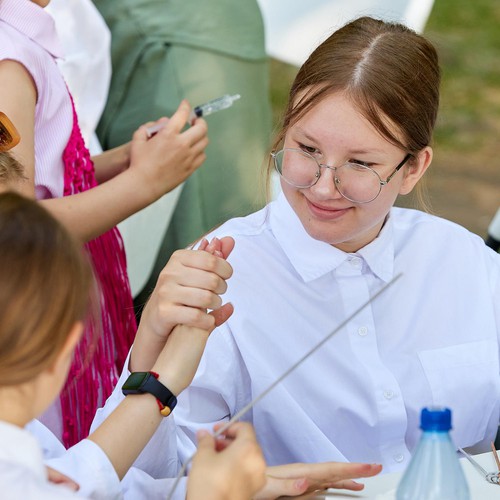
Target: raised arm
179	350
136	174
157	165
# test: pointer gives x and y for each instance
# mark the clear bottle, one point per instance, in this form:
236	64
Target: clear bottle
434	472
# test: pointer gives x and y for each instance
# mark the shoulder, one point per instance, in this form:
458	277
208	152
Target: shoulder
416	224
439	238
254	225
18	50
17	46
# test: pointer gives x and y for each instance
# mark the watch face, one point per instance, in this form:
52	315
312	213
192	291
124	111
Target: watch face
134	381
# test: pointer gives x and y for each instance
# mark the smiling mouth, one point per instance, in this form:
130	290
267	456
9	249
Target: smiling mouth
326	212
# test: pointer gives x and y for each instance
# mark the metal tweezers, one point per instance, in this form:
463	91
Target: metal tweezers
491	477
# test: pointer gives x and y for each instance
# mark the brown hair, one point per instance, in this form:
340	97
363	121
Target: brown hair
44	288
386	69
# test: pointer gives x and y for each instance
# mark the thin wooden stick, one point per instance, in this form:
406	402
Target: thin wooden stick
495	454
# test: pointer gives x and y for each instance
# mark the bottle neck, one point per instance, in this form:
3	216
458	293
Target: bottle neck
436	435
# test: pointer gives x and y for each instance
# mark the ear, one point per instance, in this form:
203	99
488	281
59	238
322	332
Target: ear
416	170
66	353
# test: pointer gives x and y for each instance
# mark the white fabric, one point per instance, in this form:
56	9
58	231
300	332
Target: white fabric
151	476
295	28
86	64
430	339
23	474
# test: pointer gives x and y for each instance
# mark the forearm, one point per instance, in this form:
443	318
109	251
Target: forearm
124	434
175	366
145	351
112	162
91	213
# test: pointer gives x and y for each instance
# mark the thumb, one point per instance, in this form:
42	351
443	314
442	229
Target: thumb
227	245
222	314
180	117
277	487
206	441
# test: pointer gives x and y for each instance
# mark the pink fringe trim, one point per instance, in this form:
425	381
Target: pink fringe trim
94	371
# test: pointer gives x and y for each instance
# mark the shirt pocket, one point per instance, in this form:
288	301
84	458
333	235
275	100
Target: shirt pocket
465	378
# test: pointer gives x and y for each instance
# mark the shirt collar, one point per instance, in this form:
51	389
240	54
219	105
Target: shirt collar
19	447
379	254
33	21
313	258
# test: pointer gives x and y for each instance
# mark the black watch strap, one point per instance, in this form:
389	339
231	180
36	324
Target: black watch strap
147	382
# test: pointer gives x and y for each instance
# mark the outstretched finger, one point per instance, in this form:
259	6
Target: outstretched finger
179	119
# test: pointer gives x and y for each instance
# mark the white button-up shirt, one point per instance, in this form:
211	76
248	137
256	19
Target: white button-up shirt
23	474
430	339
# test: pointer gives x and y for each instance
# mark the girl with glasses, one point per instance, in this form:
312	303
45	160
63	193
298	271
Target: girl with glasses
356	134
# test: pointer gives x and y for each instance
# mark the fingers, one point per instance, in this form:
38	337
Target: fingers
327	472
345	484
238	429
317	477
205	441
203	261
277	487
197	133
56	477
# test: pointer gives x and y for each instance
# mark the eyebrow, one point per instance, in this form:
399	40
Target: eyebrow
351	152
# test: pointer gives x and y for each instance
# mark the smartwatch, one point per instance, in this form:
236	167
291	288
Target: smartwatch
148	383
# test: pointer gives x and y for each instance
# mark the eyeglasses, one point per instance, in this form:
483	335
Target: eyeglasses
354	181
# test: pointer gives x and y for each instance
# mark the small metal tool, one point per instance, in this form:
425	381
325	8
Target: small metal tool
491	477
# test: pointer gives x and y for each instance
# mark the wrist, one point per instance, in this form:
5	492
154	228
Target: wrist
149	383
169	379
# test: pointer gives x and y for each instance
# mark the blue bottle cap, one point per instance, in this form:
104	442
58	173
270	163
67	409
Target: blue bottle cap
435	419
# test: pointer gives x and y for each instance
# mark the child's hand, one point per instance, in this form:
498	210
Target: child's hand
168	158
190	283
234	471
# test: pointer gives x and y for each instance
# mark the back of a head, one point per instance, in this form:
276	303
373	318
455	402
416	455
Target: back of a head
44	288
11	172
386	69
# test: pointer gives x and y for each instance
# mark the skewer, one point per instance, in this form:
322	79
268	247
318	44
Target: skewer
495	454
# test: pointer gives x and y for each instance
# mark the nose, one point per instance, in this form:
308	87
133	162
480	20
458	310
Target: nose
326	187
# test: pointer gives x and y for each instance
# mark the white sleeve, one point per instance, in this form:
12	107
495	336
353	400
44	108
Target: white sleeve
221	387
137	484
86	41
85	463
89	466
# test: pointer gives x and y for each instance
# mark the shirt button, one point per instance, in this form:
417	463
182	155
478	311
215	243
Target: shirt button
362	331
388	394
398	458
355	262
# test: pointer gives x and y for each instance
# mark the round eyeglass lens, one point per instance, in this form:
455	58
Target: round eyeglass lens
357	183
297	167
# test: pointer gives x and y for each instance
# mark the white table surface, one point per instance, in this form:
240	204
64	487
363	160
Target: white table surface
383	486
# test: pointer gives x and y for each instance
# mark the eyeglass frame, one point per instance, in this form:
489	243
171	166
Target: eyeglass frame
382	182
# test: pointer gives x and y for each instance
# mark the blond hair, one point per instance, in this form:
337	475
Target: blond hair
10	169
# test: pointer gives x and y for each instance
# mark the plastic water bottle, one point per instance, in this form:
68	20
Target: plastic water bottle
434	472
